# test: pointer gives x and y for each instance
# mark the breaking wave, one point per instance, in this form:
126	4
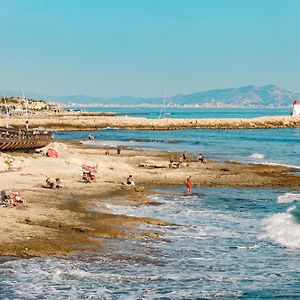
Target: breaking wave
284	228
257	155
288	198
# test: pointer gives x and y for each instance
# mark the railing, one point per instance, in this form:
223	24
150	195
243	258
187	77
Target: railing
23	134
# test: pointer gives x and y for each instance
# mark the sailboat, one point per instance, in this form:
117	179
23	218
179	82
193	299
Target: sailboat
163	107
23	139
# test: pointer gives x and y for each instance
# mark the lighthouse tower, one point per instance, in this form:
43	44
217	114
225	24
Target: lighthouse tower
296	108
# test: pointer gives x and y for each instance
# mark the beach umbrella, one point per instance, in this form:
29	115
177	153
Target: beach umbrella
90	169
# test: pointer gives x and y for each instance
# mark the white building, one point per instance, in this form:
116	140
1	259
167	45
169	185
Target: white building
296	108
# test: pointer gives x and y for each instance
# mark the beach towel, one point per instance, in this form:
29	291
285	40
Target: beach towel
52	153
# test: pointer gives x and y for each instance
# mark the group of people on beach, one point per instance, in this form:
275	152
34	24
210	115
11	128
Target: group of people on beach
53	183
12	199
88	177
107	151
184	161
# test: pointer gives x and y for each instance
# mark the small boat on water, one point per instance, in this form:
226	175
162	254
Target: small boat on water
14	139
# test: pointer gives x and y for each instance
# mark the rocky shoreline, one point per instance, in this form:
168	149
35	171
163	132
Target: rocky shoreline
95	121
63	221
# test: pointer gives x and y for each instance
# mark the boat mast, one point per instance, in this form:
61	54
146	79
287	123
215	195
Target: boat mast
6	112
26	113
163	108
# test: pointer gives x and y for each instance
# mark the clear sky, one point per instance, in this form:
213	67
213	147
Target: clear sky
144	47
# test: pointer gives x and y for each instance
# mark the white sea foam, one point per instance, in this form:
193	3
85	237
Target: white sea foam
281	164
257	155
288	197
283	229
247	247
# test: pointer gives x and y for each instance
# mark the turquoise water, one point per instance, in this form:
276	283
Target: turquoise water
227	243
182	112
269	146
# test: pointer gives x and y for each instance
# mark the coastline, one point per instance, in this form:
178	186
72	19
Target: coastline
94	121
63	221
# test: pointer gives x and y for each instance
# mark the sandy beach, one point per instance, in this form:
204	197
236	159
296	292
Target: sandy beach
94	121
62	221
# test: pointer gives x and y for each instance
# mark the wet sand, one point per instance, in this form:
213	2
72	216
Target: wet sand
63	221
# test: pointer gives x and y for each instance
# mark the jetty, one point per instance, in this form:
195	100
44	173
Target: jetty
92	121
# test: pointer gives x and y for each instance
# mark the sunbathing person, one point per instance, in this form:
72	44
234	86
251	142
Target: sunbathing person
58	183
50	183
88	177
129	180
15	199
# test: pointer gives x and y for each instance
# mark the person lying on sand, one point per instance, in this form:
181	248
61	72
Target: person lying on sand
50	183
58	183
15	200
53	183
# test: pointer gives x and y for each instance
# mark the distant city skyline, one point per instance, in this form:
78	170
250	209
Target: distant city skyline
144	47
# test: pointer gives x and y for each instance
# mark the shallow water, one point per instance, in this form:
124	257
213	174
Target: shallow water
268	146
226	245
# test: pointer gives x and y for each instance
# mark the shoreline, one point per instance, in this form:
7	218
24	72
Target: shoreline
92	121
61	222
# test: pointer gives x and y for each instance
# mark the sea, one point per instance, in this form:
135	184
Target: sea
226	243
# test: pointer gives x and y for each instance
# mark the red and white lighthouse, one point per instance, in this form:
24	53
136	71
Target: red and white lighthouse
296	108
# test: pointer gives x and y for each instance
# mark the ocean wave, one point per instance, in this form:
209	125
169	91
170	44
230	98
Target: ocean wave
279	164
283	229
295	212
288	197
257	155
110	128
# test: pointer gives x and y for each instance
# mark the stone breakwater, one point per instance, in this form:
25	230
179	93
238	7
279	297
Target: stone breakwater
94	122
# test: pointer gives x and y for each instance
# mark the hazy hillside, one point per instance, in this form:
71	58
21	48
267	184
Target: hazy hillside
242	96
246	95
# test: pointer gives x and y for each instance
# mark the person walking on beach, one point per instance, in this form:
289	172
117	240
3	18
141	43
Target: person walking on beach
189	185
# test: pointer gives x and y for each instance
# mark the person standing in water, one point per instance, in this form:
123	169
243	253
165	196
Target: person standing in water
189	185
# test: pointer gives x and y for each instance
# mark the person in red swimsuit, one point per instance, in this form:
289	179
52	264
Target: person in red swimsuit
189	185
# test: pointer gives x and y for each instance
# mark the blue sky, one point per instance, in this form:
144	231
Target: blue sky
144	47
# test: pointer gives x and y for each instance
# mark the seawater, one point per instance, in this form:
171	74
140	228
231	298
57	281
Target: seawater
225	243
267	146
186	112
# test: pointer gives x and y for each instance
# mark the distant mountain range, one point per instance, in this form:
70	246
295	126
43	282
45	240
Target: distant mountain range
268	95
